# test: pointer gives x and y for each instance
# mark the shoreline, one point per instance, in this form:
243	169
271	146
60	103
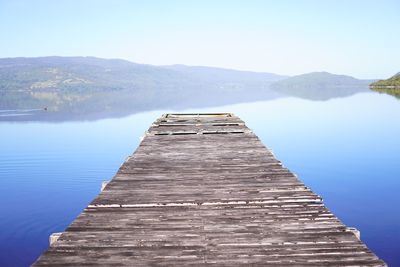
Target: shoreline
384	86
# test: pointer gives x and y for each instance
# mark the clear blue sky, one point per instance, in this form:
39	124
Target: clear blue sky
359	38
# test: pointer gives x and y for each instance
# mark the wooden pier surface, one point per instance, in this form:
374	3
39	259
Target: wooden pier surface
201	189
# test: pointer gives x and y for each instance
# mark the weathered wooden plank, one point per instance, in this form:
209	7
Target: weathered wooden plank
202	189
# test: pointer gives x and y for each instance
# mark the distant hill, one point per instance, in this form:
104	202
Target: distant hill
389	86
320	86
77	88
88	87
228	75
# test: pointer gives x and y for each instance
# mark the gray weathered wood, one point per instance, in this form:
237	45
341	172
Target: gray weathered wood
202	189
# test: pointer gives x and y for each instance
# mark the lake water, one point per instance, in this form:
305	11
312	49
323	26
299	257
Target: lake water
346	149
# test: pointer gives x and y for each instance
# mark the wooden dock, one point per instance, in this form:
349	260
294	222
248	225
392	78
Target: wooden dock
201	189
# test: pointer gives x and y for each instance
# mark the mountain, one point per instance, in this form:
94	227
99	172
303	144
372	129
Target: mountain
79	88
320	86
227	75
389	86
88	87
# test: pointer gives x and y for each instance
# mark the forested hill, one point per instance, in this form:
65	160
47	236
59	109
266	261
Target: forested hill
392	81
389	86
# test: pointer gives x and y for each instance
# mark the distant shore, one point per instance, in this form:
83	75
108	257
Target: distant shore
384	86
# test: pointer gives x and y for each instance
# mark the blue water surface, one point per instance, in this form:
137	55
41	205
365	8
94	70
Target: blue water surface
346	149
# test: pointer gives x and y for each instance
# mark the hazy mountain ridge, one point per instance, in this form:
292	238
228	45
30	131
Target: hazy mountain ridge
320	86
225	74
88	87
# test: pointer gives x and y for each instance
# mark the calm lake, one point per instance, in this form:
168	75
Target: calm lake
346	149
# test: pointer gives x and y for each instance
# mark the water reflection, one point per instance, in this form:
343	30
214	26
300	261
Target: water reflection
390	91
346	149
121	103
